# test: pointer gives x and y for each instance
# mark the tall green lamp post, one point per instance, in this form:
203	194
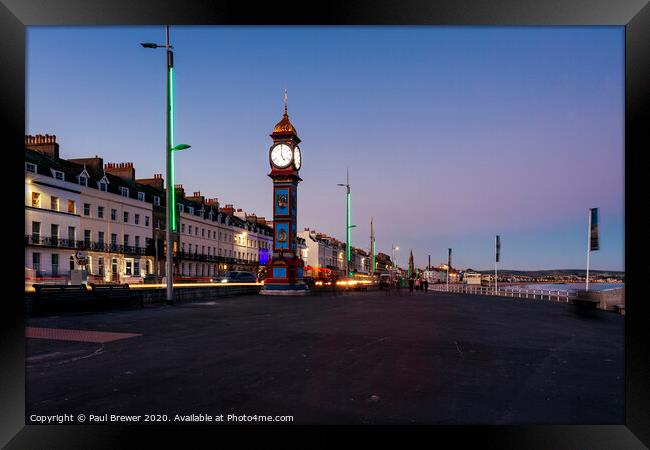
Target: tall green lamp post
348	227
170	148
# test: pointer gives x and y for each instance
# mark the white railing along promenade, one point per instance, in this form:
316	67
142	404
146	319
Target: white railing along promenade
507	291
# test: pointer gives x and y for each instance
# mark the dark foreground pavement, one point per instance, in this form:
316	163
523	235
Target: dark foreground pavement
359	358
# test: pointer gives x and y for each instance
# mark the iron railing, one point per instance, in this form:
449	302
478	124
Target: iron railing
557	295
47	241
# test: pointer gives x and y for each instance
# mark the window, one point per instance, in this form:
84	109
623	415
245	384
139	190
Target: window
126	240
190	210
87	238
54	233
29	167
190	245
36	262
190	229
124	192
83	181
141	196
55	264
103	187
72	208
128	267
114	240
100	237
126	216
203	232
114	266
36	232
181	207
113	214
158	223
36	199
86	209
196	231
146	221
182	228
100	265
136	268
100	212
137	242
156	200
71	234
57	174
136	219
54	203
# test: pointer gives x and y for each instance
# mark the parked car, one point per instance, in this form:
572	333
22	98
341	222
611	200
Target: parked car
238	277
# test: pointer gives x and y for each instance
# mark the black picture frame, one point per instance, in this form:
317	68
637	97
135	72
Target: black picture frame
15	15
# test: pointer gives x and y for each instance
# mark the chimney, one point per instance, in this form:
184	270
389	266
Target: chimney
180	192
94	165
156	182
45	144
214	202
261	220
197	197
228	209
124	170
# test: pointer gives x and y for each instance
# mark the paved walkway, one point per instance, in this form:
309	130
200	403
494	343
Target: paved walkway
356	358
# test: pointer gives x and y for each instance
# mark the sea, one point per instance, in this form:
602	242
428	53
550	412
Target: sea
573	287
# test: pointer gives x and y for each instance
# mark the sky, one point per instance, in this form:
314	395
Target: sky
452	135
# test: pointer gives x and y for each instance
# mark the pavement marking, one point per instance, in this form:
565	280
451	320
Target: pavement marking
59	334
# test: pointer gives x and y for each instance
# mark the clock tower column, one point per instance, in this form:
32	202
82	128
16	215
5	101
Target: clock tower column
285	266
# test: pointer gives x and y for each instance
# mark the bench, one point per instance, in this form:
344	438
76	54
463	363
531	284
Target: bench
111	295
56	298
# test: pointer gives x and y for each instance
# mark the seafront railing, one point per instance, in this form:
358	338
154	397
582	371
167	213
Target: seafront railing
556	295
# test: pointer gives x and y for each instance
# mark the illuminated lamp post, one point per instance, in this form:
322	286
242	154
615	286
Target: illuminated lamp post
170	148
348	227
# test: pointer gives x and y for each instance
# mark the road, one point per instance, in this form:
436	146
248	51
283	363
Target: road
429	358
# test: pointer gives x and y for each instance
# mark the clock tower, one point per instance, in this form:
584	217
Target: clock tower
285	266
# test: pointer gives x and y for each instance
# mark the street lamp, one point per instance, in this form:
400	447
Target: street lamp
394	249
348	227
170	148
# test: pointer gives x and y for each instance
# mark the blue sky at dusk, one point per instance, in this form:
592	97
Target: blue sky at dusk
451	134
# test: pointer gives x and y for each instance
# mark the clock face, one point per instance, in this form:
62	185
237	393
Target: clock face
281	155
297	158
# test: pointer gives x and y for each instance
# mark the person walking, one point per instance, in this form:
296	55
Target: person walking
426	284
411	283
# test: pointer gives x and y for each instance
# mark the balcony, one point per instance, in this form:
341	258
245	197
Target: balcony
46	241
211	258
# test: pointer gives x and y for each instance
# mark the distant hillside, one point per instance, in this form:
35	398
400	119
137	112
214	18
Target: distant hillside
554	272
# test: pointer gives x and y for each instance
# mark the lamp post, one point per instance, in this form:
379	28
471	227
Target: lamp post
348	227
394	262
170	208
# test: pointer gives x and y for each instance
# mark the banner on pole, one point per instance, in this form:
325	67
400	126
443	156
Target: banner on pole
498	247
449	259
593	231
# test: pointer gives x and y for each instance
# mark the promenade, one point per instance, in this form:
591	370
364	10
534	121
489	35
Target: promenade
426	358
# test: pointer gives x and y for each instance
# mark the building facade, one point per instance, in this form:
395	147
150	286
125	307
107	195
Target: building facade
116	223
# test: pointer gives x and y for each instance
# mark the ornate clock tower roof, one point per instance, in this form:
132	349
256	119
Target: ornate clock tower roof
284	128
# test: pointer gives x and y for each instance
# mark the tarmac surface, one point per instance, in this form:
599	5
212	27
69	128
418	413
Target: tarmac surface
429	358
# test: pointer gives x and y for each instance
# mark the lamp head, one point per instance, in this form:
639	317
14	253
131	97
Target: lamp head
149	45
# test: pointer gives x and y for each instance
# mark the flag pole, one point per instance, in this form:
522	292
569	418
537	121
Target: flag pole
588	250
496	260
